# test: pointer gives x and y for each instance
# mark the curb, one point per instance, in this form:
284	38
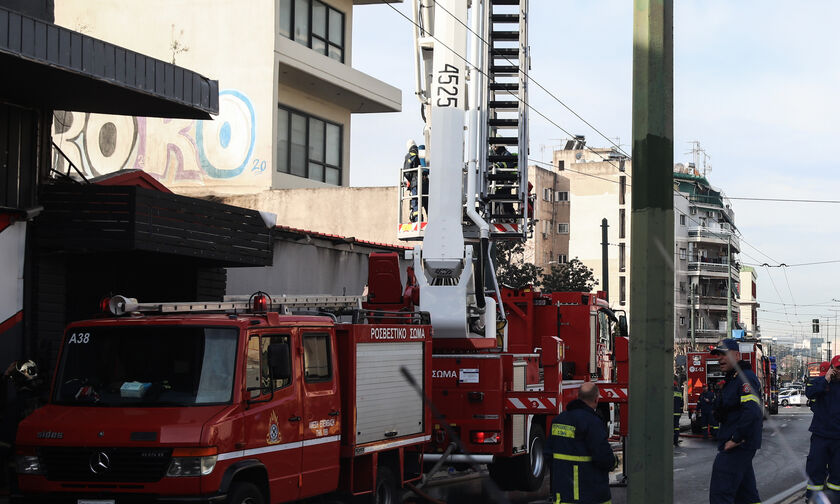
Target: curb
789	496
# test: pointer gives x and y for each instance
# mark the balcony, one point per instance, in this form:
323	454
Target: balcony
714	235
713	267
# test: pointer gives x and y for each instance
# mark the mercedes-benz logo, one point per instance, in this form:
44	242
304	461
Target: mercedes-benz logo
99	463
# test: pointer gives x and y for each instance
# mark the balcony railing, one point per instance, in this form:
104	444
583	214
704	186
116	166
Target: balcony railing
717	235
706	199
712	266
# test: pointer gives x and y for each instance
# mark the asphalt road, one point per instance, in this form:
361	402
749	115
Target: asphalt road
779	465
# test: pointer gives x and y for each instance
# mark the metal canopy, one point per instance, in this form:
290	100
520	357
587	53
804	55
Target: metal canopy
53	67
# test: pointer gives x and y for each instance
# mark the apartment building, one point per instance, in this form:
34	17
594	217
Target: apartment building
549	244
748	316
287	91
599	188
706	269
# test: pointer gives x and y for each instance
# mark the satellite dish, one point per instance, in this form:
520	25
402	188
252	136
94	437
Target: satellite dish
578	155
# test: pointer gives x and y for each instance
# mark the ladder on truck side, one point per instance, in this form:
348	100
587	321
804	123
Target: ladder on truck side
504	176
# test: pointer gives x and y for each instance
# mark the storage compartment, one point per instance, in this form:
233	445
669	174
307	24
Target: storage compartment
387	406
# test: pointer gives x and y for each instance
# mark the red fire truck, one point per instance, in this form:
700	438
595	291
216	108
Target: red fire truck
230	402
704	369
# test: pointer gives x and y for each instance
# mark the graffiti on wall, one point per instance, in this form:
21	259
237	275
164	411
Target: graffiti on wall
178	151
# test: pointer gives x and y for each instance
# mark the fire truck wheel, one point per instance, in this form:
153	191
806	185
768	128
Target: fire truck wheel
387	491
243	492
532	468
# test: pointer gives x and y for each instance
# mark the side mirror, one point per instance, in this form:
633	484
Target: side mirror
622	325
279	361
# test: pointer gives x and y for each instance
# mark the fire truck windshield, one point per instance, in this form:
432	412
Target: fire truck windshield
146	366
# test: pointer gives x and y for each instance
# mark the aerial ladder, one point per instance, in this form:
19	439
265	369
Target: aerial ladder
475	147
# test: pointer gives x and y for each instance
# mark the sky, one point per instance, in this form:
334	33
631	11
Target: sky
756	82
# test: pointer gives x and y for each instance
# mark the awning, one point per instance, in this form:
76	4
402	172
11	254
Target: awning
53	67
93	218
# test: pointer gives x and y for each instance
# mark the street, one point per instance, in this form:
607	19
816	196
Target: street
779	465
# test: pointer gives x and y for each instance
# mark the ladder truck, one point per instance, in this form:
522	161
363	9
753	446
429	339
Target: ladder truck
505	362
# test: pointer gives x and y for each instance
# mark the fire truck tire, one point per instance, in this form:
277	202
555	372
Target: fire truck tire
243	492
387	490
524	472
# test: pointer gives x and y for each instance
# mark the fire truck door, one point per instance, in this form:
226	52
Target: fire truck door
321	407
273	421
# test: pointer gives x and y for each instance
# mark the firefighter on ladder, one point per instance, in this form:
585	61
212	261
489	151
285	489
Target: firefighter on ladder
678	407
740	413
411	167
823	463
581	454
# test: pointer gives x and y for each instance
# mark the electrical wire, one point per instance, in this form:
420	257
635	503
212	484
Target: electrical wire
491	79
784	200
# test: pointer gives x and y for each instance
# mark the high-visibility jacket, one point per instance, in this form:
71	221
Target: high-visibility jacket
825	399
581	456
739	409
678	401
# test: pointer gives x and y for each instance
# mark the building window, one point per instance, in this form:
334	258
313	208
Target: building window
682	321
308	147
547	194
682	219
561	196
546	227
621	229
682	286
563	228
315	25
622	258
622	290
316	357
682	253
561	258
692	210
622	188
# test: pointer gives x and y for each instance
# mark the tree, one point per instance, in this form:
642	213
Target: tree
512	269
572	276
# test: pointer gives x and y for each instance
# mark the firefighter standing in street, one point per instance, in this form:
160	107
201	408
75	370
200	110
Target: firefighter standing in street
678	407
823	393
707	401
739	410
581	455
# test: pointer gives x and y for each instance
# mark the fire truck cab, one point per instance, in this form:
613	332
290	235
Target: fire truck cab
240	405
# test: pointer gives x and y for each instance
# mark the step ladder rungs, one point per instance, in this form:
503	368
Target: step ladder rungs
503	140
504	35
504	69
503	158
504	86
504	18
503	105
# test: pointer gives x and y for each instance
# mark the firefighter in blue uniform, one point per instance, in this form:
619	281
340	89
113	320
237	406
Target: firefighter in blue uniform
739	411
410	170
823	394
678	407
581	455
708	422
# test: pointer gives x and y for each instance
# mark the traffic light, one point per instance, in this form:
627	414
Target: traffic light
815	325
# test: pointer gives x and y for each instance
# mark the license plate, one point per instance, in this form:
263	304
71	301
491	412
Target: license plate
95	501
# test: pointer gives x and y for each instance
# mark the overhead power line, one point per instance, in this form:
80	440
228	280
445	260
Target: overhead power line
519	99
785	200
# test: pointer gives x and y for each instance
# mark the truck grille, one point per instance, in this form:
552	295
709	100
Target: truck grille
105	464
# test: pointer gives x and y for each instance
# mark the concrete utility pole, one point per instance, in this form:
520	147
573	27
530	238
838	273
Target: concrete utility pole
605	265
693	339
650	457
729	286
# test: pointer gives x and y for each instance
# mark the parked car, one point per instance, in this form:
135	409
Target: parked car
792	397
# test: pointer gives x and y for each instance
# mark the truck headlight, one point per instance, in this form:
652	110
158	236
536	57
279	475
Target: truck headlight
27	461
192	462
